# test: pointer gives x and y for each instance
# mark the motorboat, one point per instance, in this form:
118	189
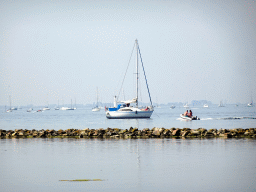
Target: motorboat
189	118
124	109
172	107
206	105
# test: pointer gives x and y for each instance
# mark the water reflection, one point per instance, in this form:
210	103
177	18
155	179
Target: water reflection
128	164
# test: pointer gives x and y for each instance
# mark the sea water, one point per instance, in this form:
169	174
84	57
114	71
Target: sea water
217	164
38	164
213	117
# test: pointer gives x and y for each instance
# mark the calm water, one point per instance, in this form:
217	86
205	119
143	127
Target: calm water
212	117
128	165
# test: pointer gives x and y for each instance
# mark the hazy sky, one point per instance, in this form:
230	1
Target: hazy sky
64	50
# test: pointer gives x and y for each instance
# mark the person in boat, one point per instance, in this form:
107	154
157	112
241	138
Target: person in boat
186	113
190	114
146	109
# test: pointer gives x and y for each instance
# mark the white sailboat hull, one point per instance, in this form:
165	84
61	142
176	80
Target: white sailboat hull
128	114
96	109
65	108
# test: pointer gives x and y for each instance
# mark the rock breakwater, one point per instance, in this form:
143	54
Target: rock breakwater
130	133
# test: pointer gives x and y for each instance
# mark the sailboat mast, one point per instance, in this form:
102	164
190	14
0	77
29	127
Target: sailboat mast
137	74
97	96
10	102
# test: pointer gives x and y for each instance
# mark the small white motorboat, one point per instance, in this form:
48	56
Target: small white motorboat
189	118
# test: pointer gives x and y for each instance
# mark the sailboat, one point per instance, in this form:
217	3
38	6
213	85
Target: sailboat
250	104
75	104
10	109
124	110
70	107
57	108
47	107
96	108
186	105
221	104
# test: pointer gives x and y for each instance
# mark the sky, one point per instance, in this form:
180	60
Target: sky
60	50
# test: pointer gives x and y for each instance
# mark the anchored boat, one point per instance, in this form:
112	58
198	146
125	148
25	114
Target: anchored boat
124	109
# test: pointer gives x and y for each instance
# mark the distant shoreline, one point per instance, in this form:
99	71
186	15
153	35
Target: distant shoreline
131	133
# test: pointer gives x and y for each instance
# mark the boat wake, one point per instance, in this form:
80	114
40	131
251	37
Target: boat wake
227	118
234	118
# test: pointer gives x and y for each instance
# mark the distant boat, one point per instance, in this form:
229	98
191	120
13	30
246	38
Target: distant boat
64	108
10	109
47	107
96	108
30	109
172	107
124	110
14	108
57	108
205	105
71	108
250	104
186	105
221	104
67	108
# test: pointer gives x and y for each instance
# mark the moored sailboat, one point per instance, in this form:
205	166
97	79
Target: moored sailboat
96	108
10	109
124	110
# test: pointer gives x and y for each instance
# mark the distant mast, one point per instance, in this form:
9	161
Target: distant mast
137	74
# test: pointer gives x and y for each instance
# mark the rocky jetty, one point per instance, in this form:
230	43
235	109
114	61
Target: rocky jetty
130	133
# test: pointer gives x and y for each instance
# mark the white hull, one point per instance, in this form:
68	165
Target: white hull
29	110
65	108
128	114
96	109
46	108
189	118
205	105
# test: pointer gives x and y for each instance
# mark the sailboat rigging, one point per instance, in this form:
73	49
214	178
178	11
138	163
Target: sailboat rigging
124	109
96	108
